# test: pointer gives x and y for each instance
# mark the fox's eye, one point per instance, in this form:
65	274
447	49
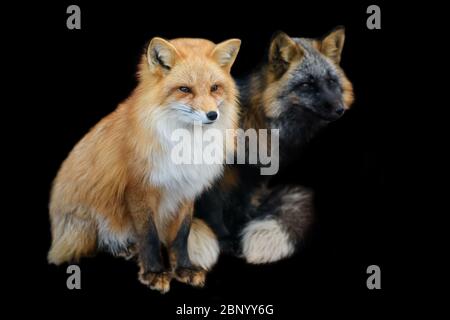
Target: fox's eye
306	85
214	88
332	81
185	89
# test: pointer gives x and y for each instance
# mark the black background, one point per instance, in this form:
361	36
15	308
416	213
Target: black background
79	76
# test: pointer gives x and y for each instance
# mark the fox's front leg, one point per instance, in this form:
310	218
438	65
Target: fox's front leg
184	270
152	270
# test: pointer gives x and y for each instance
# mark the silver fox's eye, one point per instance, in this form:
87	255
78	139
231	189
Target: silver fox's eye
332	81
185	89
305	85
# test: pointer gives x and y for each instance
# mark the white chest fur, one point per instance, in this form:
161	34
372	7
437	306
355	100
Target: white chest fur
180	181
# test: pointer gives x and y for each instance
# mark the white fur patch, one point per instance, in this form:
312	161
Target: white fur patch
203	247
188	180
265	241
182	182
114	242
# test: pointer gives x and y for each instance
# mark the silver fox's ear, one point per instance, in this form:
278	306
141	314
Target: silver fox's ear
161	54
332	44
282	52
225	52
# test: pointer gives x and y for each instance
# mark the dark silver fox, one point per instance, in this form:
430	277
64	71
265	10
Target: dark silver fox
299	90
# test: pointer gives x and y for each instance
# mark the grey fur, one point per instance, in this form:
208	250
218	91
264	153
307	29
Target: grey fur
283	220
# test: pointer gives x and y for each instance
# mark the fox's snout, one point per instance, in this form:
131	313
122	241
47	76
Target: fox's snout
335	106
340	111
205	110
190	114
212	115
329	104
209	116
208	108
330	110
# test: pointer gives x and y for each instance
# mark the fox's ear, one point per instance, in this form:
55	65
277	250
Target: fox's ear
161	54
225	52
332	44
283	51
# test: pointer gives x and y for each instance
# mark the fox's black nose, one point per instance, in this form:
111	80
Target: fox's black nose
340	111
212	115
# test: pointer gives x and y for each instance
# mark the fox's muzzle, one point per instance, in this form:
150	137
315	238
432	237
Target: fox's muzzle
209	117
212	115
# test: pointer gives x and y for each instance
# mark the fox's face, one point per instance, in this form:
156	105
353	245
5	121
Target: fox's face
193	78
306	77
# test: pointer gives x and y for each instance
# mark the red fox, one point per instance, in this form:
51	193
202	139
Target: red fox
119	187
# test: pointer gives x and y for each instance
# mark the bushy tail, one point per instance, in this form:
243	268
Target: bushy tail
72	238
280	222
203	247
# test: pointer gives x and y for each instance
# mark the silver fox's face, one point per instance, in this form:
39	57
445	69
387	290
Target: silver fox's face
315	86
307	77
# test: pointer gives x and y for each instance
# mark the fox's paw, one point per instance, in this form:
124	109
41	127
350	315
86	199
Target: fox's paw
159	281
193	276
129	253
